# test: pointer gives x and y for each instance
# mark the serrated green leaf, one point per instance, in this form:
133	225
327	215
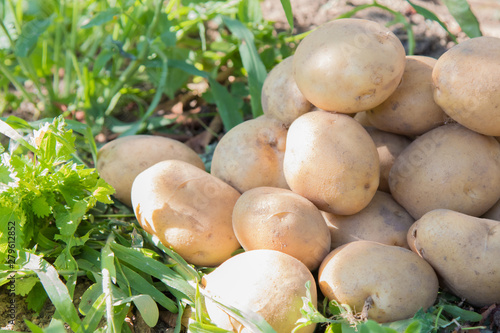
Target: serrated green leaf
68	218
30	33
103	191
462	13
40	207
25	285
36	298
102	17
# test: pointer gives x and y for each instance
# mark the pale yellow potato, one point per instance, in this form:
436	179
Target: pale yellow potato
383	221
389	146
431	61
279	219
188	209
251	155
448	167
463	250
410	110
331	160
281	98
466	84
394	281
349	65
266	283
121	160
361	118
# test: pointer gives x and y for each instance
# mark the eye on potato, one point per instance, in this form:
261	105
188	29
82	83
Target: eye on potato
331	160
448	167
466	84
464	251
281	220
392	281
349	65
188	209
121	160
267	282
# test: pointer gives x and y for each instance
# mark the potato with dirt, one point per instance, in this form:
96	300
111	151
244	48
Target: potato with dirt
279	219
251	155
383	221
464	251
466	84
331	160
121	160
266	283
449	167
188	209
349	65
281	98
392	282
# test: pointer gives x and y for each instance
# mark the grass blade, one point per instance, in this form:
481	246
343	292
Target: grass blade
226	105
460	10
102	17
146	306
94	315
431	16
287	7
29	36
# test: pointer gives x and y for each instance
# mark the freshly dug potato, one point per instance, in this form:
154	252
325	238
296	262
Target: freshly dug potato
466	84
349	65
493	213
267	282
121	160
383	221
448	167
463	250
428	60
251	155
361	118
279	219
411	109
392	281
281	98
188	209
331	160
389	146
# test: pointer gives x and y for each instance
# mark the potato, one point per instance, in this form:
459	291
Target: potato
383	221
493	213
389	146
393	282
266	282
251	155
281	98
411	109
466	84
281	220
187	209
448	167
331	160
464	251
349	65
428	60
121	160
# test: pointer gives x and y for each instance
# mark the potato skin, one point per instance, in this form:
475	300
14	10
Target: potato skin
251	155
464	251
396	281
268	282
187	209
331	160
383	221
410	110
281	98
349	65
466	84
448	167
121	160
281	220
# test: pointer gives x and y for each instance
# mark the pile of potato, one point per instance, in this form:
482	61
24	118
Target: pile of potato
373	175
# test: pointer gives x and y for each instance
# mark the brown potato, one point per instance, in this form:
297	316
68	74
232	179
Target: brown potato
349	65
465	252
393	281
281	98
121	160
389	146
251	155
383	221
411	109
188	209
264	282
281	220
448	167
331	160
466	84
